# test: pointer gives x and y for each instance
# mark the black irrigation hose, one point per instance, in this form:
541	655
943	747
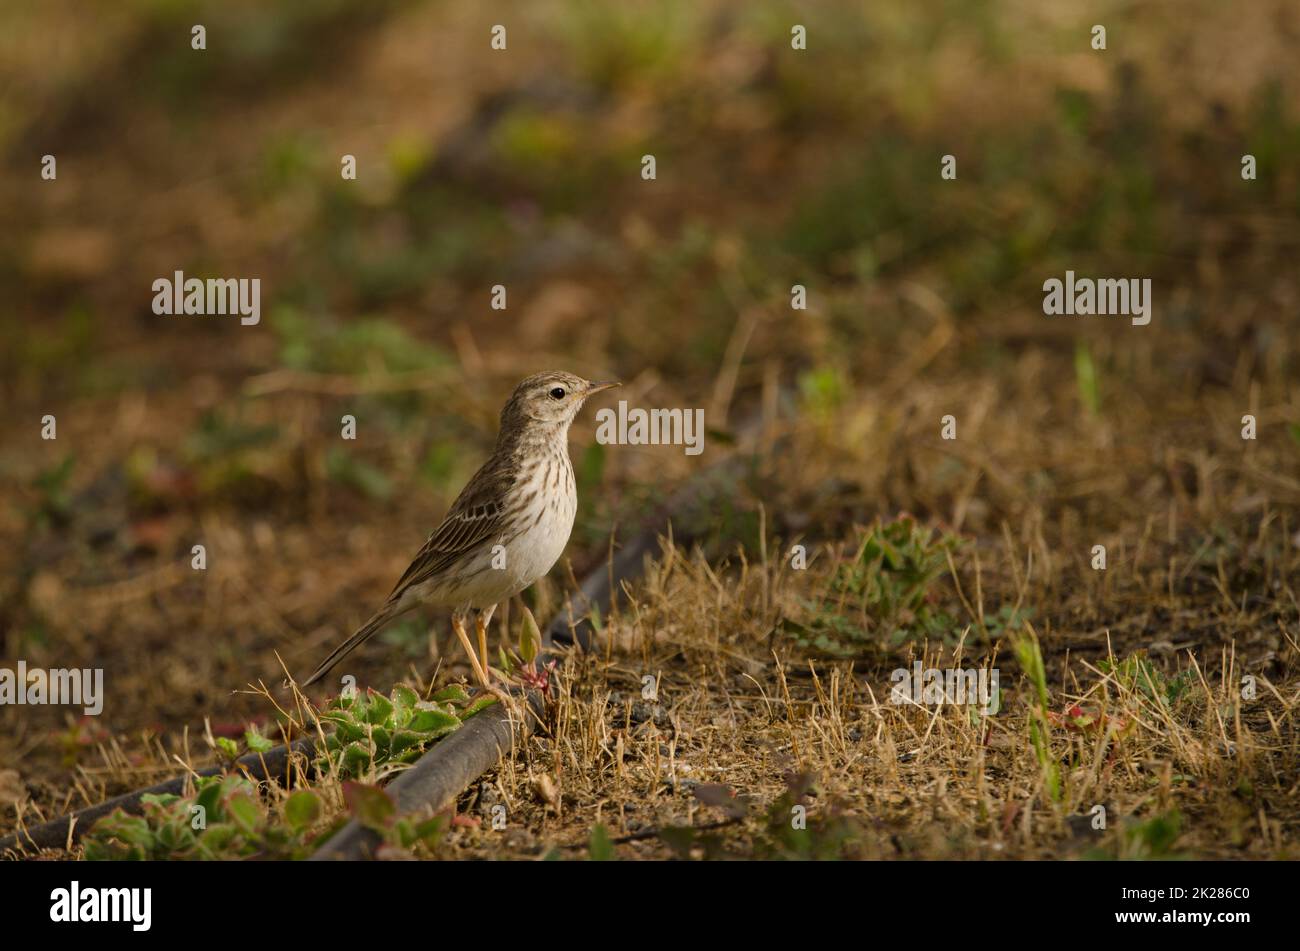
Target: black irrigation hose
59	832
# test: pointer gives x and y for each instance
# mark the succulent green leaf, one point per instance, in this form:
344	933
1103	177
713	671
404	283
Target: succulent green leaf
379	707
244	812
455	693
429	718
302	809
256	742
369	805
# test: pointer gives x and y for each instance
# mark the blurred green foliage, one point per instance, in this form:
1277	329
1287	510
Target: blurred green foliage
362	346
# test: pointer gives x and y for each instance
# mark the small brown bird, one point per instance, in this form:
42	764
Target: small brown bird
507	527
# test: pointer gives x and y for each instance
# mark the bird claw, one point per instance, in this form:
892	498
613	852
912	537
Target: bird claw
508	701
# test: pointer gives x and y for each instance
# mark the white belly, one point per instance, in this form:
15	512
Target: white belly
499	572
535	552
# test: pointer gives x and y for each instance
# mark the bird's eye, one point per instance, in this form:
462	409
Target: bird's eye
557	393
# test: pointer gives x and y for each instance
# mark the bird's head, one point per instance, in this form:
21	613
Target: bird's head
553	398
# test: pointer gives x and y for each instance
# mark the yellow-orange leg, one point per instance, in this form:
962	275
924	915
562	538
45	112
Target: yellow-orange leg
507	702
458	625
480	628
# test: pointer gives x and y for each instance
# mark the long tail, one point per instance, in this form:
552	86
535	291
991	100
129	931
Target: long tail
381	617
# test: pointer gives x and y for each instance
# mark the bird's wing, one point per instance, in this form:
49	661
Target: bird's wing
475	517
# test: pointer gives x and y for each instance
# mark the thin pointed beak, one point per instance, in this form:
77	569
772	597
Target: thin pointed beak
597	387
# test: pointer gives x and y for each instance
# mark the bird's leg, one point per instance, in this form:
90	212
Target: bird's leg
480	670
481	619
458	625
480	628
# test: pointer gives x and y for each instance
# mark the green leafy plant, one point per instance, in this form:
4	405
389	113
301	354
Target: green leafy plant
254	742
229	817
374	808
371	730
1007	620
791	833
354	347
1137	674
226	818
1146	840
884	593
